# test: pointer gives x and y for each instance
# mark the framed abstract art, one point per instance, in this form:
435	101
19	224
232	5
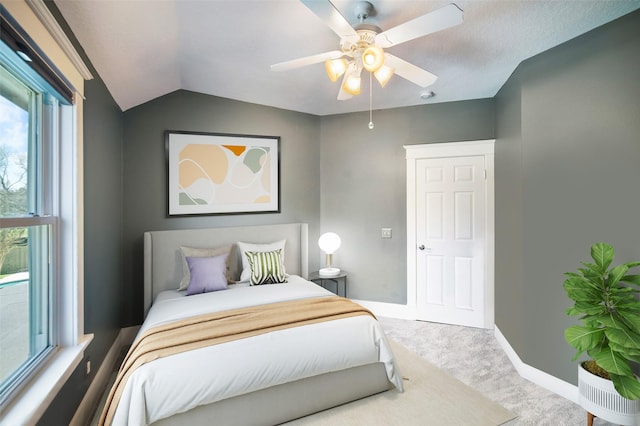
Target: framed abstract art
212	173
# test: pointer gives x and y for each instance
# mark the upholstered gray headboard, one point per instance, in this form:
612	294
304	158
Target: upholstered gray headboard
163	261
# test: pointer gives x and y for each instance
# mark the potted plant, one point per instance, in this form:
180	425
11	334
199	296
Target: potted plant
605	299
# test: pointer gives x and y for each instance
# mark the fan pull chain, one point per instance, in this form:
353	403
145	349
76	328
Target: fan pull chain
370	101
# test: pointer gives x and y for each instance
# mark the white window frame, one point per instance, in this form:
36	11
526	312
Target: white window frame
39	391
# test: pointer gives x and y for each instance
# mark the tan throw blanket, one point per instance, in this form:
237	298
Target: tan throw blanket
220	327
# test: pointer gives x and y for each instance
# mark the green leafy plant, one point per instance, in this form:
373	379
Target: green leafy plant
605	299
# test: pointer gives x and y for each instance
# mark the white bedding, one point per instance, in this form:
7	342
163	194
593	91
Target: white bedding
158	389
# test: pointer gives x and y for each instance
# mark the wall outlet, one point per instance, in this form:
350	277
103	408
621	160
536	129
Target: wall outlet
386	232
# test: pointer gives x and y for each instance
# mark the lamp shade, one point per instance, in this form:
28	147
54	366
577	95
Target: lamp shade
351	84
335	68
383	75
329	242
372	58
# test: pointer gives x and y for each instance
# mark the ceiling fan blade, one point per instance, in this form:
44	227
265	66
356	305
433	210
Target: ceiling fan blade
409	71
307	60
432	22
331	16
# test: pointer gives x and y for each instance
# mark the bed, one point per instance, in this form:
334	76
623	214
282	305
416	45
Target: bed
266	377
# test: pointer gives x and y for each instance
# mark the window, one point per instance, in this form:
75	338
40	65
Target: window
27	141
40	287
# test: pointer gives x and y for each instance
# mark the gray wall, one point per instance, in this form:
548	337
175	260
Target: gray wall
364	185
145	172
508	213
567	176
336	174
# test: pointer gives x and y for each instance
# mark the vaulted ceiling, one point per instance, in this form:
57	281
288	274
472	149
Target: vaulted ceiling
144	49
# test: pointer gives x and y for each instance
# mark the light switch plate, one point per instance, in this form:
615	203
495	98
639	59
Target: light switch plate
386	232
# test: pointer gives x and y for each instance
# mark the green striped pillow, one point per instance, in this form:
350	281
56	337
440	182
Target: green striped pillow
266	267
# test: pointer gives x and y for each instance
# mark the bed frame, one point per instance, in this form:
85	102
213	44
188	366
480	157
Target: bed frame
163	270
163	261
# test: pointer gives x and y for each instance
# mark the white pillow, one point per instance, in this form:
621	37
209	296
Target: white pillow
245	247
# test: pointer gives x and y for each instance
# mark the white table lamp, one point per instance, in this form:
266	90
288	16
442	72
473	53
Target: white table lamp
329	242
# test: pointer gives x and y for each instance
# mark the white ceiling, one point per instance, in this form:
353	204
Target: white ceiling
144	49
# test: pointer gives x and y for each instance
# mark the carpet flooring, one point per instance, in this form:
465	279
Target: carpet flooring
474	357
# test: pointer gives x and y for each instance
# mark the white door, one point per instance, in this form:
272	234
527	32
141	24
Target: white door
450	236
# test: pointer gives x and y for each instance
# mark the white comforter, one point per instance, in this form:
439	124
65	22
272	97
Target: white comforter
178	383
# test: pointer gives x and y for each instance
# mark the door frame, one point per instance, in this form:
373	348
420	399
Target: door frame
483	148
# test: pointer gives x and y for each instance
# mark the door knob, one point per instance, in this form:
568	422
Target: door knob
421	246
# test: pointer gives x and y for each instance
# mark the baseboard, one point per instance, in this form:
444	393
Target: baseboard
85	411
539	377
391	310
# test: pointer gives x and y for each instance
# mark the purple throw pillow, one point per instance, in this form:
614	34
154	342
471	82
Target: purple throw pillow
207	274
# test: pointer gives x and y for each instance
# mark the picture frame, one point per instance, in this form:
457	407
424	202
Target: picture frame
217	173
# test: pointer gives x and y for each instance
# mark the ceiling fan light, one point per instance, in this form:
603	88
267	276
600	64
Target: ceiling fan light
352	85
335	68
384	74
373	58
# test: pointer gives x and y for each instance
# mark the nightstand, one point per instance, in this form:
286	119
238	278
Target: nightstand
335	280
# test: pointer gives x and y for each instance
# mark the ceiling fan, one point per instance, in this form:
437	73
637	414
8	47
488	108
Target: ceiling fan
362	46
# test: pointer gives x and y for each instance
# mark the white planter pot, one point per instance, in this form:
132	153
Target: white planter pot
599	397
